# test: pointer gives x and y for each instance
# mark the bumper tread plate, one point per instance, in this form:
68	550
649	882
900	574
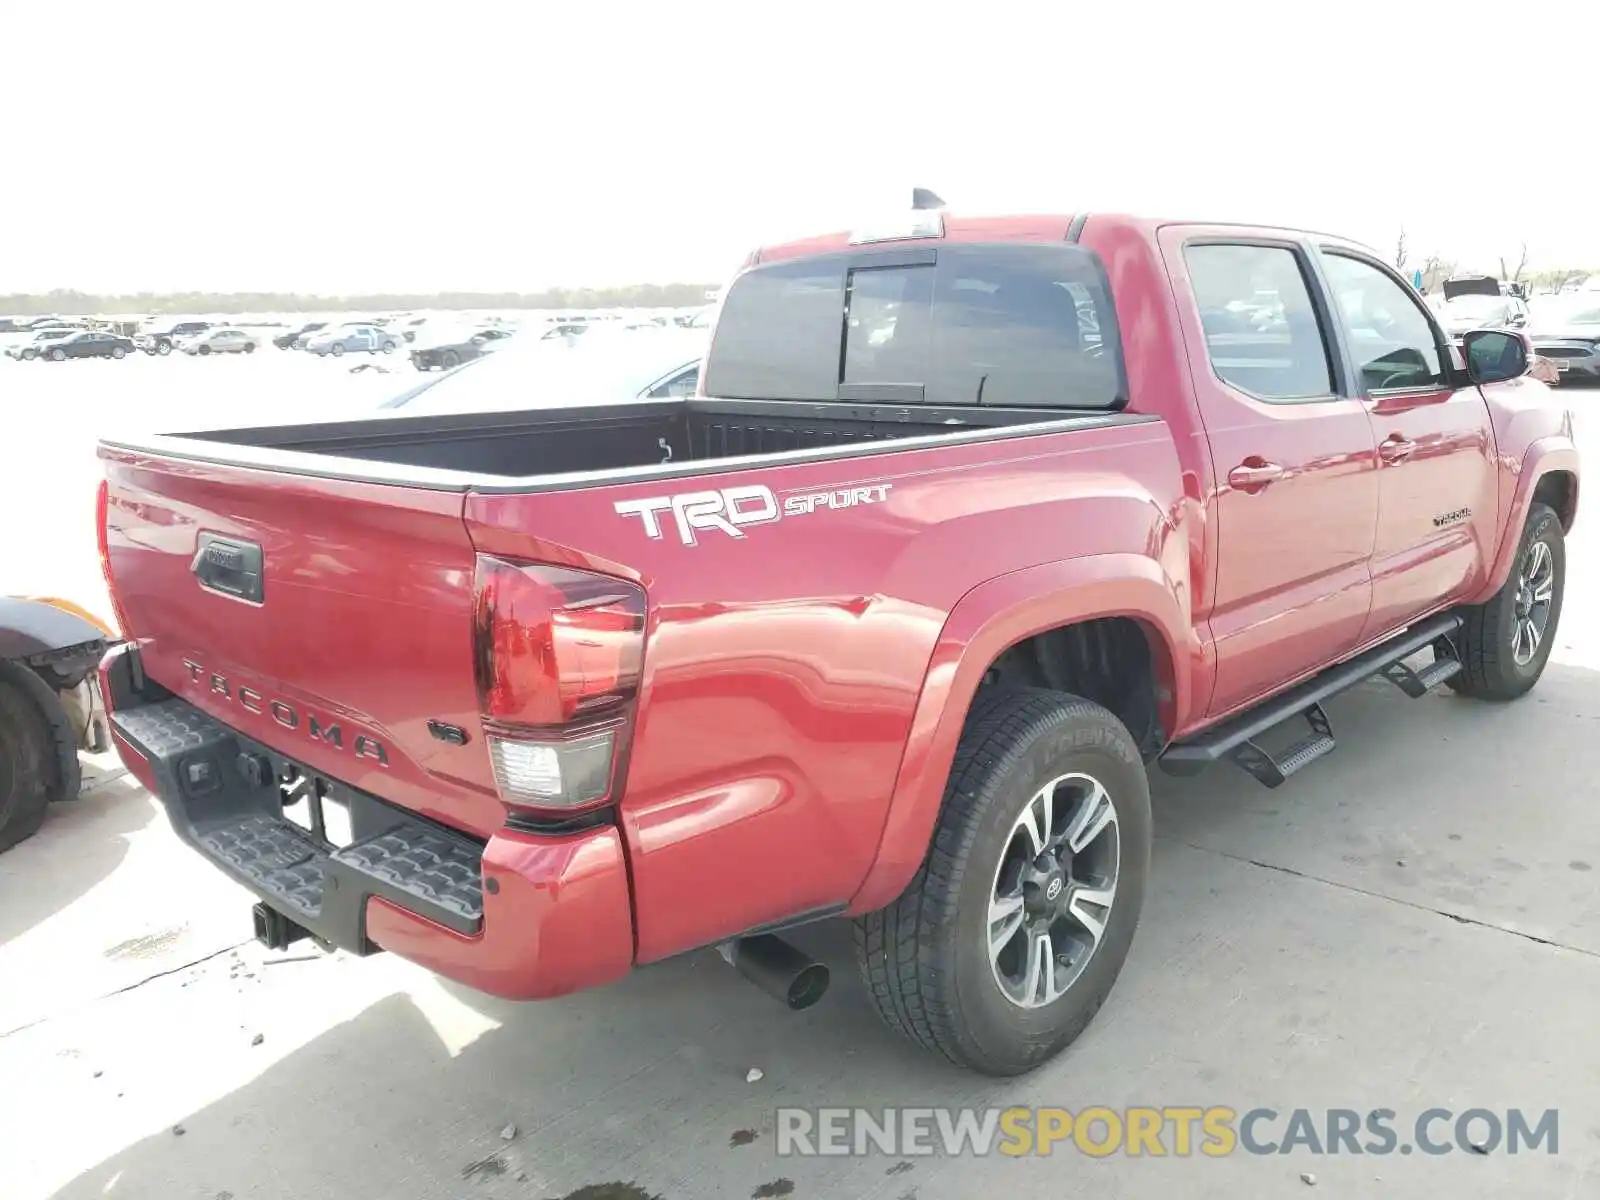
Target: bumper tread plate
408	860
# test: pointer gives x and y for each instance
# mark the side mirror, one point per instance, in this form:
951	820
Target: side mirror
1496	355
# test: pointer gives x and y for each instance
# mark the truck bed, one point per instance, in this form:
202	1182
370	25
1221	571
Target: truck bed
654	439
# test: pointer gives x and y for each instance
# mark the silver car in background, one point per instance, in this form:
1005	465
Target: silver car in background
222	340
1566	330
603	367
347	339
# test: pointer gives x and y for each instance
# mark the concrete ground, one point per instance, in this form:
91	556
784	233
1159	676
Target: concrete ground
1412	923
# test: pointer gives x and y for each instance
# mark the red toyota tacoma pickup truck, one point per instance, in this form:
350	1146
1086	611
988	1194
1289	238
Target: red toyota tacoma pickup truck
970	521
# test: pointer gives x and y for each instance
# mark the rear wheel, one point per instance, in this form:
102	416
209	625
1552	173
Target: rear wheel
336	349
118	352
249	347
204	349
388	347
25	757
163	347
58	355
1015	928
449	359
1505	643
29	355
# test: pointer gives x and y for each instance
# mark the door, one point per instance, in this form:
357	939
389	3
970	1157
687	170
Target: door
1296	494
1438	490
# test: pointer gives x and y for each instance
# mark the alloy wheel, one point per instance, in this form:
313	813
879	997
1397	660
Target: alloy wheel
1053	890
1536	585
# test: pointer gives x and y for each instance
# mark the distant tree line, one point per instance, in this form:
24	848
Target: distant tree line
66	302
1435	270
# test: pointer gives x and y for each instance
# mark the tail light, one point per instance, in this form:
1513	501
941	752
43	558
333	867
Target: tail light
558	654
102	505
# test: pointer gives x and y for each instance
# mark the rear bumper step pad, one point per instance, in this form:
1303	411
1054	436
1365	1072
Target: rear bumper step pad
226	794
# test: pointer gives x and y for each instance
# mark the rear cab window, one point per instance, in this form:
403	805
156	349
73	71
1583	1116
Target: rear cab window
1026	325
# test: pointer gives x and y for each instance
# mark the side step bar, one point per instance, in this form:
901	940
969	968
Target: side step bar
1235	738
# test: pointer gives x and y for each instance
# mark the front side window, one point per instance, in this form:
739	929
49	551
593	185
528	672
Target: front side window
1390	336
1261	328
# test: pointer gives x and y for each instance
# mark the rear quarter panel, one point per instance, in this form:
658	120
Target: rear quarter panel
783	668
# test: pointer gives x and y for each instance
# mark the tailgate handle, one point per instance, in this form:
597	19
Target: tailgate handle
229	566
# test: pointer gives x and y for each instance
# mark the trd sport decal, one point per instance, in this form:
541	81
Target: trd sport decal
731	510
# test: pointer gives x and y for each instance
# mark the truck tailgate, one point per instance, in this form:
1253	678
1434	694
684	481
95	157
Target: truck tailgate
330	620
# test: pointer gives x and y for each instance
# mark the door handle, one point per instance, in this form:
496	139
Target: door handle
1253	474
1395	449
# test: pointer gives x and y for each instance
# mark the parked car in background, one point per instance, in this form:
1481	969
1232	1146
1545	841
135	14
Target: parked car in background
50	707
566	331
295	339
221	340
441	356
29	348
1462	314
1565	330
88	343
348	338
163	339
531	374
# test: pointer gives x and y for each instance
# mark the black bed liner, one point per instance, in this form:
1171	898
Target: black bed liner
592	446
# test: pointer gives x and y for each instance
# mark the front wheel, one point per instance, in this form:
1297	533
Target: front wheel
163	347
1013	931
336	349
249	347
58	355
203	350
118	352
1504	643
29	355
388	347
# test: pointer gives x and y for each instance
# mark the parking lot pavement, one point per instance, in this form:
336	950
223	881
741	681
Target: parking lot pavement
1413	923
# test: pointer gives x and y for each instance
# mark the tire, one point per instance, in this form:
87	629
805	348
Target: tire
337	349
202	349
25	766
1488	644
58	356
388	347
163	347
449	359
29	355
926	959
118	352
249	347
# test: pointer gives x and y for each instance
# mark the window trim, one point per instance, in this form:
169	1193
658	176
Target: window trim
1339	375
1442	346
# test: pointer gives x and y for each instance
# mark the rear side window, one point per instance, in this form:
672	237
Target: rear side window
1262	331
1021	326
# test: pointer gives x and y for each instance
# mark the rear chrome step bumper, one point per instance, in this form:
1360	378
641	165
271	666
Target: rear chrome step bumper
520	916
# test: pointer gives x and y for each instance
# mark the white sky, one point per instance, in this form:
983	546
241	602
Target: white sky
336	147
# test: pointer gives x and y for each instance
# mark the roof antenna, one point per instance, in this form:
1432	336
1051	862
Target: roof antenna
922	198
